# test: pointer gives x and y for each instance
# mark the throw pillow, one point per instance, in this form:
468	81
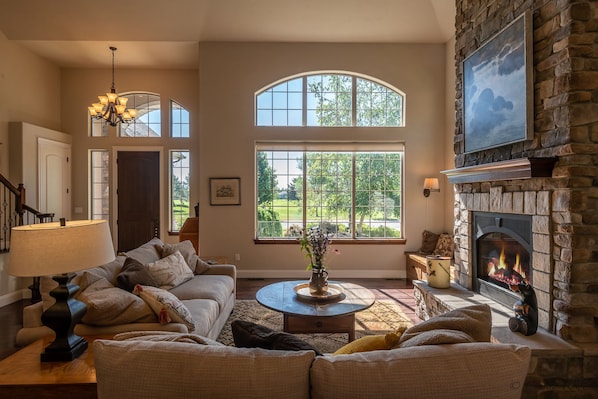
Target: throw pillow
170	271
186	249
438	337
132	273
444	246
371	343
251	335
474	320
108	305
165	305
429	242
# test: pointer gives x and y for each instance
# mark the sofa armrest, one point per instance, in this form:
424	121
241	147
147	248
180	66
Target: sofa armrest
32	315
228	270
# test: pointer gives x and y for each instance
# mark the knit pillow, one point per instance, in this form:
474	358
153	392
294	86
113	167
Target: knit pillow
251	335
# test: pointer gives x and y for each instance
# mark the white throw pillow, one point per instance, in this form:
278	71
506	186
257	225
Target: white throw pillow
165	305
170	271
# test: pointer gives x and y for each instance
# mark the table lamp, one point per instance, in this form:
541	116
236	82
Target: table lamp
59	249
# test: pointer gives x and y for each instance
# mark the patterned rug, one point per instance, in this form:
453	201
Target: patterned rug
384	316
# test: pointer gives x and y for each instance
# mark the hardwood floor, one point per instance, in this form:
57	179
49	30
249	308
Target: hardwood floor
11	316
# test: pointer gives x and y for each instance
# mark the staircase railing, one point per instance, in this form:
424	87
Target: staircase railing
15	212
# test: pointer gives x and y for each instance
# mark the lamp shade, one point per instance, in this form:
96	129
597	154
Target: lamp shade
431	183
50	248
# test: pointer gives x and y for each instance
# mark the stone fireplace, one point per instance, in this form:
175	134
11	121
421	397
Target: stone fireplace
550	179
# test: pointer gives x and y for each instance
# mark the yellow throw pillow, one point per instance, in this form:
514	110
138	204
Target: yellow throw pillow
371	343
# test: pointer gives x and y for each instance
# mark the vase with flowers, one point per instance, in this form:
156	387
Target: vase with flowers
315	244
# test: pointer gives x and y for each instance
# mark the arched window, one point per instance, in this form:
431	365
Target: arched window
350	188
329	99
147	123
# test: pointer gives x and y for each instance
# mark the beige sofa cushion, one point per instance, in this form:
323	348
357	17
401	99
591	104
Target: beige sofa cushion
215	287
143	369
436	371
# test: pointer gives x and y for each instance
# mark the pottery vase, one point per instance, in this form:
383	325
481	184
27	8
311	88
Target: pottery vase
318	283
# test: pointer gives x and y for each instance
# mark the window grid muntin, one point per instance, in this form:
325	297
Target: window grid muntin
357	111
382	202
99	163
148	121
179	121
179	192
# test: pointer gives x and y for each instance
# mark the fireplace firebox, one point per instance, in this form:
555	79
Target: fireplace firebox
502	252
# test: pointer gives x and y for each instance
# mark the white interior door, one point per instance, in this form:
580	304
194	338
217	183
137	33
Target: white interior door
54	178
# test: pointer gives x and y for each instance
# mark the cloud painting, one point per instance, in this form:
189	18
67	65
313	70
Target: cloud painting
495	91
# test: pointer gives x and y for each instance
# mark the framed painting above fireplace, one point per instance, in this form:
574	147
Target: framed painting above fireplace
498	89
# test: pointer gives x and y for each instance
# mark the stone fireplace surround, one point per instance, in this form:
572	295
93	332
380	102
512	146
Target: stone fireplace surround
557	365
563	204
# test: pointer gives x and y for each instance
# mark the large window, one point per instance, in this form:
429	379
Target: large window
179	188
331	99
352	190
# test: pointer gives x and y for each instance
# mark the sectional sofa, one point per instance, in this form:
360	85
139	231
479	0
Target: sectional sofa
116	303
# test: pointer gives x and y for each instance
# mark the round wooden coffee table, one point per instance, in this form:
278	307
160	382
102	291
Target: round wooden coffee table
303	315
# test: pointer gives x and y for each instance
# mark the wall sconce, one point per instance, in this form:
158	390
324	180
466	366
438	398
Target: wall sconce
430	184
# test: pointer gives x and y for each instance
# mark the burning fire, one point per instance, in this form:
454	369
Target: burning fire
500	270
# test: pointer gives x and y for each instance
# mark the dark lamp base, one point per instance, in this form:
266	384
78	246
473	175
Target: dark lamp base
66	353
62	318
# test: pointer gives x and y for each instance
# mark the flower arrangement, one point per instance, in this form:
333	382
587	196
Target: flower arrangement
315	244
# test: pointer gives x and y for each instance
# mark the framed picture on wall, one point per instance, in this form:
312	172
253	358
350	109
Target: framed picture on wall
498	89
225	191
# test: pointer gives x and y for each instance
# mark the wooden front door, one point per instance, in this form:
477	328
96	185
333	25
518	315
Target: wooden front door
138	198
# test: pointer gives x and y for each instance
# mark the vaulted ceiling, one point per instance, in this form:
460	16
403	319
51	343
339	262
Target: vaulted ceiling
165	33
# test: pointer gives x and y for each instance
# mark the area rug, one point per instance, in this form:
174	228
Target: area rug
384	316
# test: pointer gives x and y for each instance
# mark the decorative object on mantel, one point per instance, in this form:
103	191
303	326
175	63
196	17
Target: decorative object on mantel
525	320
521	168
60	249
498	87
112	108
430	185
315	244
438	270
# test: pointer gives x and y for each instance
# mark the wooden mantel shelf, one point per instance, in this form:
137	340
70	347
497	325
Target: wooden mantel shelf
522	168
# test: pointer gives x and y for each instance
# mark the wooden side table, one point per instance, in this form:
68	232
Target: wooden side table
23	375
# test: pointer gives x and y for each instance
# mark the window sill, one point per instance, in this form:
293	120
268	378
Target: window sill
336	241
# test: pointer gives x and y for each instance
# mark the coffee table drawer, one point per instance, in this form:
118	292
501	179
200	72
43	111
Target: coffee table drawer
315	324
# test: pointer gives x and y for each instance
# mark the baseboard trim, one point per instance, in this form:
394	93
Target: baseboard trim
333	274
15	296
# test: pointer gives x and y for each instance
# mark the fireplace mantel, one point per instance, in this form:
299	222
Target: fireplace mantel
522	168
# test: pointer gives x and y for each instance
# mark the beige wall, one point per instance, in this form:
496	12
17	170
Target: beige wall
230	74
29	91
448	188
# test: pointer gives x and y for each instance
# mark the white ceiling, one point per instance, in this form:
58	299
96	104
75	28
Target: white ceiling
165	33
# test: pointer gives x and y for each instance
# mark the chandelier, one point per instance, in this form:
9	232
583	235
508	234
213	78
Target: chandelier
112	108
